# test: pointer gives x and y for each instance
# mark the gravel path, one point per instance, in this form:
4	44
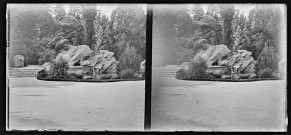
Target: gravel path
52	105
218	106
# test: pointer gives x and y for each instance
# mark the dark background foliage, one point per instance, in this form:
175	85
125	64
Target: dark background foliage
32	27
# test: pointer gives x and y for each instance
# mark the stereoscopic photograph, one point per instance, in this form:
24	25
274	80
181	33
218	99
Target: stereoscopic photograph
219	67
82	67
76	67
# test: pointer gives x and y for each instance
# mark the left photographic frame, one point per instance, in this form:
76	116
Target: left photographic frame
76	67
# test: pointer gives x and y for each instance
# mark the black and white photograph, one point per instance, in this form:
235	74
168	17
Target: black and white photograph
219	67
82	67
76	67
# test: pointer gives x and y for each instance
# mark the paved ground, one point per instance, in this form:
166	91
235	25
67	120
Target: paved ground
218	106
53	105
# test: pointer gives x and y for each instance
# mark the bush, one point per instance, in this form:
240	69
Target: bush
46	56
266	73
197	70
41	74
267	59
127	74
182	74
58	69
129	59
74	76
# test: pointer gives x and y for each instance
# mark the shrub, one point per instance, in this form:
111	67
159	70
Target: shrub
267	59
46	55
74	76
58	69
266	73
129	59
181	74
127	73
197	70
41	74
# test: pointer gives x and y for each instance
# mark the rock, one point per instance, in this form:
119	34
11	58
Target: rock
212	54
18	61
252	75
250	68
87	77
104	62
217	71
247	75
142	68
225	77
242	59
78	70
75	54
109	76
84	56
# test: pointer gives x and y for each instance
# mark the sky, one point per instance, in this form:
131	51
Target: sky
108	8
243	8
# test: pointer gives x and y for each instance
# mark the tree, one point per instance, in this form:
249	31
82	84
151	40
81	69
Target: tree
76	11
240	33
103	30
89	14
227	13
32	28
267	59
129	27
265	26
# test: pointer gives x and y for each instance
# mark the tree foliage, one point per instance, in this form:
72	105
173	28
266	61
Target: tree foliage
129	59
32	28
129	26
267	59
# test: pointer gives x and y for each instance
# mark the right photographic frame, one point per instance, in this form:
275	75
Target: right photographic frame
219	67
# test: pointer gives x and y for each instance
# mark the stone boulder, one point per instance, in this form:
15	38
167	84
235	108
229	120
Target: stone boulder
75	54
212	54
104	62
18	61
242	59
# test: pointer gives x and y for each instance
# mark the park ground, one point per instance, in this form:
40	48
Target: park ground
218	106
70	106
